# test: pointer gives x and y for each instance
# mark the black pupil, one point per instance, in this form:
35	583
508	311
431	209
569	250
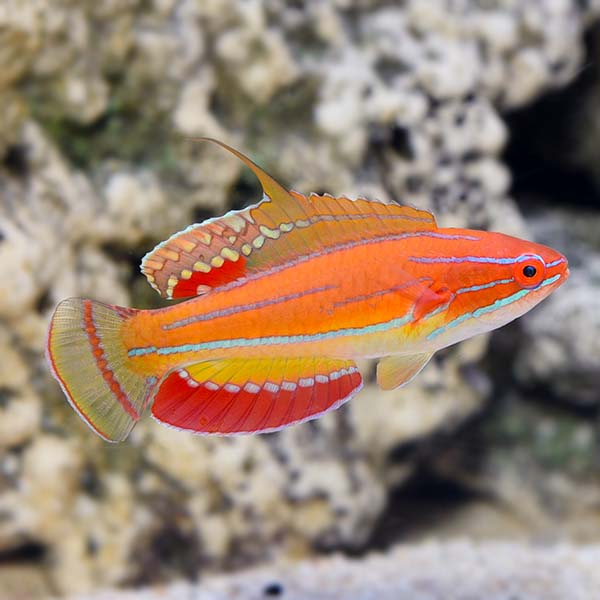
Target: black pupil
529	271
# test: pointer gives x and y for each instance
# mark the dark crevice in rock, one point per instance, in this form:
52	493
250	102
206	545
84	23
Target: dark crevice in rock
416	506
397	138
15	160
6	395
44	302
200	214
171	551
30	552
544	139
245	191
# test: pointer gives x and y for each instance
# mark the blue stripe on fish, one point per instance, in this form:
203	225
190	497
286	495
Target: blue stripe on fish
490	307
275	339
483	286
215	314
556	262
472	259
347	246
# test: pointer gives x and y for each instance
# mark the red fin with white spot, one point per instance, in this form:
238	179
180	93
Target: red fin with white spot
88	358
283	226
252	396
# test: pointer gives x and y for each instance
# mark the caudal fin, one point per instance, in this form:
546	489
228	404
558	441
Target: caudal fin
89	360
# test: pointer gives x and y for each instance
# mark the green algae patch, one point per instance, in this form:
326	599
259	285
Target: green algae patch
130	130
557	439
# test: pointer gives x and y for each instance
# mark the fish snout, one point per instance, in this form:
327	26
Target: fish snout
558	264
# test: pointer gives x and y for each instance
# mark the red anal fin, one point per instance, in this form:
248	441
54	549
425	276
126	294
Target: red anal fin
253	396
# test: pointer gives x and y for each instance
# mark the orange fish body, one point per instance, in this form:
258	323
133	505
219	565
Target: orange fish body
285	296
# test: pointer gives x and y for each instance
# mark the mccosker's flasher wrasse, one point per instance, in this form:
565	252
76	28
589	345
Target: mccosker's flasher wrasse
282	298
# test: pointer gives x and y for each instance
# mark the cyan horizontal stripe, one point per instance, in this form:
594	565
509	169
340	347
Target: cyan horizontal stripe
484	286
472	259
500	303
215	314
273	340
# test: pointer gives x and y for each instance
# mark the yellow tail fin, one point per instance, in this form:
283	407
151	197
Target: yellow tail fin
89	360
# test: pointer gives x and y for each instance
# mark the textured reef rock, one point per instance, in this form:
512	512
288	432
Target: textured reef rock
432	571
550	354
350	97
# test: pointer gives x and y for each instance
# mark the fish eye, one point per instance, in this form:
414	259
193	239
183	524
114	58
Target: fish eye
529	271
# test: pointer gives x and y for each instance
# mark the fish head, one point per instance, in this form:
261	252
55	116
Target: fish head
494	280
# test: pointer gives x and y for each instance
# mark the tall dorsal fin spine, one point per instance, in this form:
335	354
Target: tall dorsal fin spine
272	189
283	202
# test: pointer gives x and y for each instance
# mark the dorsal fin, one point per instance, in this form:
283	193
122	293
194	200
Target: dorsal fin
283	226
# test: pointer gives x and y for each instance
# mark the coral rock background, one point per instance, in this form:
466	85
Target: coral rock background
443	104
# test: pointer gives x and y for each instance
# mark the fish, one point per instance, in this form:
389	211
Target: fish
278	302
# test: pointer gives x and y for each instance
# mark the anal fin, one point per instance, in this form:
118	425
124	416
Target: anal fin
398	370
251	396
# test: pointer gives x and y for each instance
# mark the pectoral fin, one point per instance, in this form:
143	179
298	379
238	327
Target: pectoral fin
395	371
